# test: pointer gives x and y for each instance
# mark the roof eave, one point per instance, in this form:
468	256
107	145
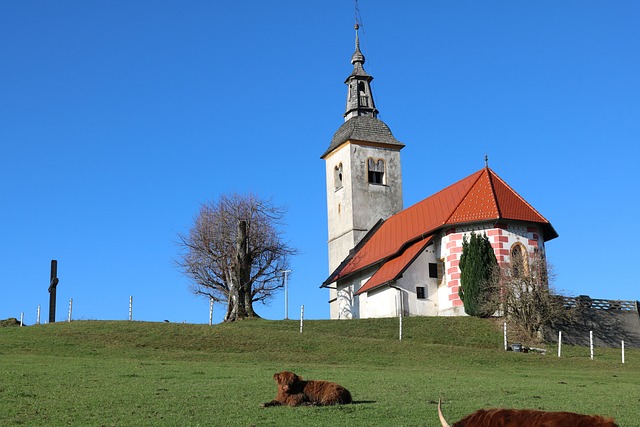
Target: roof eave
549	233
376	287
399	146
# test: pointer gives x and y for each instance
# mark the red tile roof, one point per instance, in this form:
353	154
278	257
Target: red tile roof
481	196
393	269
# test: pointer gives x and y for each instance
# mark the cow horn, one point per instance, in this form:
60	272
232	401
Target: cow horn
442	420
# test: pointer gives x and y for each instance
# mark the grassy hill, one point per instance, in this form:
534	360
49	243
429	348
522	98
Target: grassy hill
106	373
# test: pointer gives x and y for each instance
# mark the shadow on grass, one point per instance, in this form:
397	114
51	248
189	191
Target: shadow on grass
363	402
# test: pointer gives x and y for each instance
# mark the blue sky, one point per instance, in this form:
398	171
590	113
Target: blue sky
117	119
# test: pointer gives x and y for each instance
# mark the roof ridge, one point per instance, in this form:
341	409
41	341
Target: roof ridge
493	190
465	194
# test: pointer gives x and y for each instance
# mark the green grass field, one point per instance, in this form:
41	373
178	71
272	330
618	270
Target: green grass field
103	373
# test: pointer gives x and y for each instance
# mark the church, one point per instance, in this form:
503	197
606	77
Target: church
385	260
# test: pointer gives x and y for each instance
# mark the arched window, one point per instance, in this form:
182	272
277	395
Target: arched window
519	265
337	176
375	171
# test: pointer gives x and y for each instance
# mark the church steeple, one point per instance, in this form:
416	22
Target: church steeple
363	172
359	96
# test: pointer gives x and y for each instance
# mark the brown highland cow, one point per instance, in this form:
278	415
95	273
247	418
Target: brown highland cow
294	391
527	417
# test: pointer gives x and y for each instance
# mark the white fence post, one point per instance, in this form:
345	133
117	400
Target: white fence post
622	351
70	308
505	336
210	311
400	321
559	343
301	317
38	316
591	343
130	307
21	318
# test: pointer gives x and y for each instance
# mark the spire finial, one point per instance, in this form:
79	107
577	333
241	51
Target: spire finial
486	161
357	55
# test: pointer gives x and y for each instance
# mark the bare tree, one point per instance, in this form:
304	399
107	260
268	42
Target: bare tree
524	290
235	253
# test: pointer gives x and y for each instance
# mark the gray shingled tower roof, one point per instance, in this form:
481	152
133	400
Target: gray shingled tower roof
365	129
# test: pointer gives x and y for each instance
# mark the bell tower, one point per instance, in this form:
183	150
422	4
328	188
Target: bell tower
363	174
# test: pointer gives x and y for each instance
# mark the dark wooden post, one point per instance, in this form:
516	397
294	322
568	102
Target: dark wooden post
52	291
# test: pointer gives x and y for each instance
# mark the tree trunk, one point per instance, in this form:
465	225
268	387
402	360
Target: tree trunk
241	299
240	306
248	303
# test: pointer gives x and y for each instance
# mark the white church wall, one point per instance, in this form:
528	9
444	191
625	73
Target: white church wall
417	275
382	302
348	304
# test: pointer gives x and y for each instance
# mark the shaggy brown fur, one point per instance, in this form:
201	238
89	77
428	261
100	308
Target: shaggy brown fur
294	391
527	417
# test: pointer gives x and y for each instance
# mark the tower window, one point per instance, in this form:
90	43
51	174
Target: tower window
337	176
375	169
362	93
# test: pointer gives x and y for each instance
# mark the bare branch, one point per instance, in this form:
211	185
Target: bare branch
526	295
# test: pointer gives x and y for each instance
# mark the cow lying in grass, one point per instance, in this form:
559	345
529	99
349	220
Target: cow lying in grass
294	391
527	417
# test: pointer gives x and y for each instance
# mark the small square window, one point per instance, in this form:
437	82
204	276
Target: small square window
420	292
433	270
